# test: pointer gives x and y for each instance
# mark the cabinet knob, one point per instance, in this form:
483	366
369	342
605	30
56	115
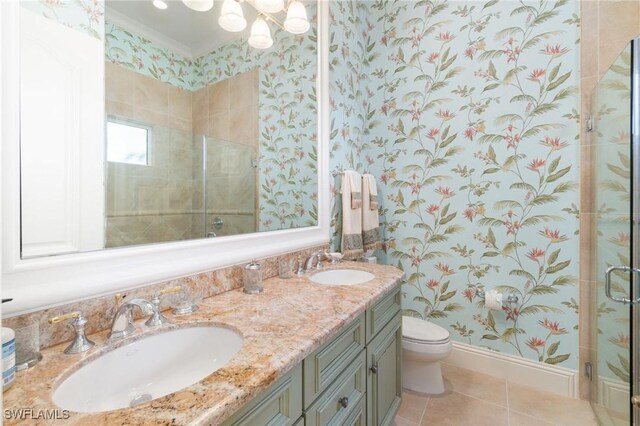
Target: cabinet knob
374	368
344	401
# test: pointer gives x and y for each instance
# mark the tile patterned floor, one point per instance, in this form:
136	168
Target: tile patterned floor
474	399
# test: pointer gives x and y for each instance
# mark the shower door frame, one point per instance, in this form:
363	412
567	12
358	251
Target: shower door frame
635	222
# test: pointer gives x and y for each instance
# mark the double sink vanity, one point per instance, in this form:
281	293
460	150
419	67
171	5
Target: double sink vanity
322	348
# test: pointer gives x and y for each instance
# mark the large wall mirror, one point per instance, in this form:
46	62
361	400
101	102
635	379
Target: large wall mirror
146	122
142	144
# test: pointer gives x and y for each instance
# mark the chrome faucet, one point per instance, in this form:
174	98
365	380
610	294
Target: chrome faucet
80	341
123	320
317	255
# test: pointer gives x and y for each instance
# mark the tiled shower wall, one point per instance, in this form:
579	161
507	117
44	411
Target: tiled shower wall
153	203
163	201
606	28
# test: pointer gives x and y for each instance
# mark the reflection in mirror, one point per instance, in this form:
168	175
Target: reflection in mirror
193	134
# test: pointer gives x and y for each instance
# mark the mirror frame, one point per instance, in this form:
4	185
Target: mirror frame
40	283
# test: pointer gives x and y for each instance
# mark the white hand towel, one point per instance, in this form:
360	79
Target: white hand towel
356	188
370	222
351	217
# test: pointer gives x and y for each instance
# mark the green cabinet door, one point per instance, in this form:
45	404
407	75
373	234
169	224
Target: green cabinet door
279	405
384	374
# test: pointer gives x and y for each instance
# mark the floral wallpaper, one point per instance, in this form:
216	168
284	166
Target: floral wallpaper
612	168
138	54
469	119
86	16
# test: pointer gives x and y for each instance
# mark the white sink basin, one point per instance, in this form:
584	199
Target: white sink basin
147	369
341	277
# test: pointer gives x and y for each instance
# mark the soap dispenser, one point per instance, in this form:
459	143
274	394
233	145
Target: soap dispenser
253	278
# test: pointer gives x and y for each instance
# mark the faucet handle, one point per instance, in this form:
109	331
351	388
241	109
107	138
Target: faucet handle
80	341
157	318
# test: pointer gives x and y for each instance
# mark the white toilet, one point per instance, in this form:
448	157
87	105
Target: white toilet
424	345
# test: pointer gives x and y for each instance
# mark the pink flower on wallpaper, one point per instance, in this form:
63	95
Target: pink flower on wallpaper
536	164
446	192
433	133
554	51
445	37
535	254
469	133
433	57
433	284
553	143
553	327
536	74
469	214
432	209
535	343
469	52
553	235
445	115
469	294
444	269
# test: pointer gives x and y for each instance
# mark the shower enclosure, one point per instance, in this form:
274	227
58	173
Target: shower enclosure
180	187
615	298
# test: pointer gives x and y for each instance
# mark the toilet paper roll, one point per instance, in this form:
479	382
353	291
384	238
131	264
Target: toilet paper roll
493	300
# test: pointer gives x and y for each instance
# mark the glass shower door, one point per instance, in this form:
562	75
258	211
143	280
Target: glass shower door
615	201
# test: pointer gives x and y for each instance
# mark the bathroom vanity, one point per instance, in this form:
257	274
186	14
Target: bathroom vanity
311	354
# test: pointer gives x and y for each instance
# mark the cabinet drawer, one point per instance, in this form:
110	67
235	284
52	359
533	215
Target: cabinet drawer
382	312
280	404
323	366
351	384
358	415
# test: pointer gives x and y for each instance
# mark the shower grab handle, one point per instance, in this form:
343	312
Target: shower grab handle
607	284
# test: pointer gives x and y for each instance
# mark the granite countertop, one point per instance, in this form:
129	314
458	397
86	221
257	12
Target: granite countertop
280	328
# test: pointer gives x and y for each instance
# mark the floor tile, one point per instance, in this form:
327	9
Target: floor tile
518	419
460	410
477	385
412	407
549	407
399	421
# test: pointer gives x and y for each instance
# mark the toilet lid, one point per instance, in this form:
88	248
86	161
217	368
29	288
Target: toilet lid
420	330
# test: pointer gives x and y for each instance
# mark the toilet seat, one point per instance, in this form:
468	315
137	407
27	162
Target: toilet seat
421	332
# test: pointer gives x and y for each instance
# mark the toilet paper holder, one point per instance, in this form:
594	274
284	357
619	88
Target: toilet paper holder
511	298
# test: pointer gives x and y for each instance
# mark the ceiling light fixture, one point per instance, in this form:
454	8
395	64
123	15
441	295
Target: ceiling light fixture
231	17
198	5
296	22
270	6
160	4
260	37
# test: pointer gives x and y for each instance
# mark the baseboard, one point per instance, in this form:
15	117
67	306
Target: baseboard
545	377
614	394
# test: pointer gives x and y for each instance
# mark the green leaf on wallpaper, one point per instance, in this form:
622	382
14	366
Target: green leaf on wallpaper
522	273
536	309
490	320
508	32
491	70
490	254
447	296
491	238
553	257
553	85
619	171
553	348
421	299
491	171
564	280
558	267
543	199
557	359
542	289
491	138
489	337
624	160
553	165
453	307
564	93
509	333
491	54
453	229
489	4
448	140
624	362
491	87
615	370
507	204
490	221
554	177
543	108
507	118
447	219
564	187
